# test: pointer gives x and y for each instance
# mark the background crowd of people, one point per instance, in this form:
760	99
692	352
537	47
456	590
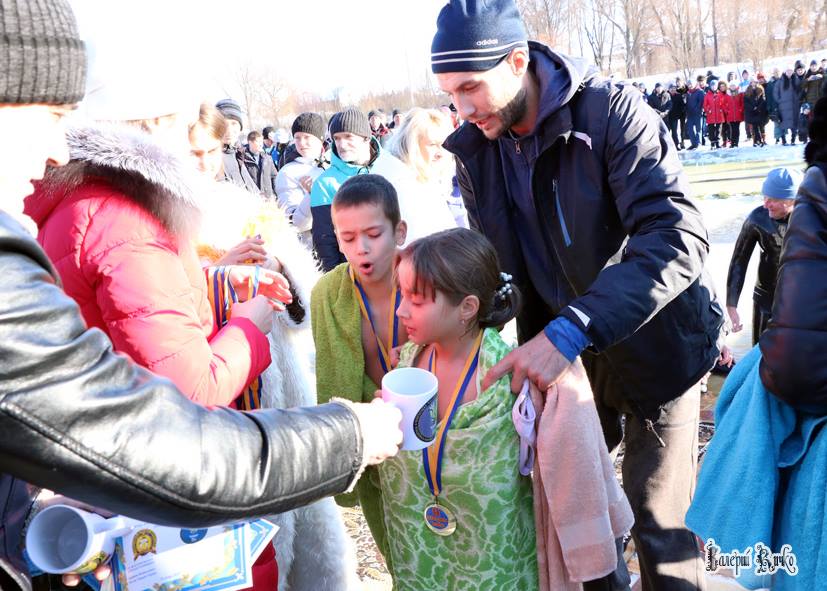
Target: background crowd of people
711	108
302	173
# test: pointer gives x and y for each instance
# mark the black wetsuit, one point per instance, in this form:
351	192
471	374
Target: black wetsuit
759	228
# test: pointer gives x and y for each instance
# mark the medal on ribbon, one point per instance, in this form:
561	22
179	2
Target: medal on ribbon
439	518
393	321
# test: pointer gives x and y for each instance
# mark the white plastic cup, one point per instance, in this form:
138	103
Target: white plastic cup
63	539
414	391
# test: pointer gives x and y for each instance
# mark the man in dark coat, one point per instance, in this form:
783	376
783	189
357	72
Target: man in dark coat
787	99
812	87
772	104
764	226
694	112
260	165
579	188
677	114
233	154
661	101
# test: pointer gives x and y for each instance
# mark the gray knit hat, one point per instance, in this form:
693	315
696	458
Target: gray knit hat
311	123
230	109
43	59
350	120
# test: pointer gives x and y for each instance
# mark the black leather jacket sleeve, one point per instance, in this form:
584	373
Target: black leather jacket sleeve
794	347
83	421
737	273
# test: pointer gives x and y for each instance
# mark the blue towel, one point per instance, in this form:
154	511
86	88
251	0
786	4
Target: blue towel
764	455
802	508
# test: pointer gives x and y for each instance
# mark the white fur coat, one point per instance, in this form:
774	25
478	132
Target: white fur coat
313	551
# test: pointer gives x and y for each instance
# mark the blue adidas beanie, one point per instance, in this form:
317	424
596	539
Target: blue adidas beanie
782	183
475	35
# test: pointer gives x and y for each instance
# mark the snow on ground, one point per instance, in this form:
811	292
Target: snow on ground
723	217
744	153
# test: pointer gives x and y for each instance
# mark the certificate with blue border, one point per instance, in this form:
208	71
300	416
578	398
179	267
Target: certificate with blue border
174	559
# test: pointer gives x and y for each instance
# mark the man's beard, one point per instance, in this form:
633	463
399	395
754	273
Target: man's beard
514	111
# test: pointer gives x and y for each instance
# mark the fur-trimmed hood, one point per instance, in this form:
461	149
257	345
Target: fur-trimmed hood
133	163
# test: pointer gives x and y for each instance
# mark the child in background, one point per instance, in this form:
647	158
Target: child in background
735	114
453	299
353	313
716	105
804	122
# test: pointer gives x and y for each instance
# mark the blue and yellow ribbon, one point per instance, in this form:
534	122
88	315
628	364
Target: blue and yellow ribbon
222	296
432	456
393	321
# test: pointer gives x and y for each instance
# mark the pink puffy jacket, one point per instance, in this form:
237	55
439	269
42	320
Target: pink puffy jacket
114	222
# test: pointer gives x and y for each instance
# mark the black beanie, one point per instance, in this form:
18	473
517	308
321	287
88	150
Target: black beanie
311	123
44	60
475	35
350	120
230	109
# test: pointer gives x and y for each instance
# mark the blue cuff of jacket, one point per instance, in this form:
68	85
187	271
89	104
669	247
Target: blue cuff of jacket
567	337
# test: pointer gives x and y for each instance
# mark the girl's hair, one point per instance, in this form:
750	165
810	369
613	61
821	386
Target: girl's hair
724	84
212	120
415	128
459	263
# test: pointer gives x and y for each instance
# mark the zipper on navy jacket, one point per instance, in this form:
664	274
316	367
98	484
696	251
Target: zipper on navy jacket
563	228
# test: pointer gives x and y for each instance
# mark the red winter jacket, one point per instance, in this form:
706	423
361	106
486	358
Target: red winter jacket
735	108
118	241
716	106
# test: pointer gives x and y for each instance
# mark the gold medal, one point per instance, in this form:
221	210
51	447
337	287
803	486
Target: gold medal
440	520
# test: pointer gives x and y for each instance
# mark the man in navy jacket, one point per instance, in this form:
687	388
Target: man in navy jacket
578	185
694	111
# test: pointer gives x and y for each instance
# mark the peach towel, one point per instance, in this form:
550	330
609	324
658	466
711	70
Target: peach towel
579	507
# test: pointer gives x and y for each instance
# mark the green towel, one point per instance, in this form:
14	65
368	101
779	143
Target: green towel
340	373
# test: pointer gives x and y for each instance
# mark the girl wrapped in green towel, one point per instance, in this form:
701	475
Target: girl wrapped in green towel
459	515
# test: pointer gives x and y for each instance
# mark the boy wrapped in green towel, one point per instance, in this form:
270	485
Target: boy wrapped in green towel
353	312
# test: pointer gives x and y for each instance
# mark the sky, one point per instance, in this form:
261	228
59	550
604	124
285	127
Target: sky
315	45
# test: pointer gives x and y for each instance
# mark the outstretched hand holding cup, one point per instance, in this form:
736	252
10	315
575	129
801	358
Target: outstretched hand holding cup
381	435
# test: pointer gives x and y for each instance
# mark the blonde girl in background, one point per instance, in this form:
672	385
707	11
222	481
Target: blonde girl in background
418	144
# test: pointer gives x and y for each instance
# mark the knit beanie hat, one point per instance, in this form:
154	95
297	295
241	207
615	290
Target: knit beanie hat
311	123
350	120
230	109
44	60
799	65
475	35
782	183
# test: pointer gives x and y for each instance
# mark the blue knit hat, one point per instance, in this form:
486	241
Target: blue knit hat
782	183
475	35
